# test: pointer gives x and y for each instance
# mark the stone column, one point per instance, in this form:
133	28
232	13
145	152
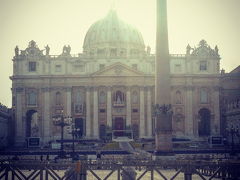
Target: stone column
88	114
69	101
95	114
109	107
47	121
189	125
149	113
142	114
19	134
67	135
128	107
215	129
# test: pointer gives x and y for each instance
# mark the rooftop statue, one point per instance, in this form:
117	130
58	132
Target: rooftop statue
216	49
16	51
202	43
47	48
188	49
32	44
66	50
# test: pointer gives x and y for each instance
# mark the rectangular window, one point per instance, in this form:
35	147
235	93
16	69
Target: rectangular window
32	99
102	110
92	52
203	66
203	96
101	66
101	52
113	52
133	52
32	66
58	68
135	66
79	68
123	52
134	110
177	68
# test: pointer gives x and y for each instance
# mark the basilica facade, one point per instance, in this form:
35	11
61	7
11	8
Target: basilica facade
110	85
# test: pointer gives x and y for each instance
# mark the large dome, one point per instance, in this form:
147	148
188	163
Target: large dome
112	33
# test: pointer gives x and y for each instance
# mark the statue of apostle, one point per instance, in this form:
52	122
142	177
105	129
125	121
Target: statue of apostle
47	50
16	51
188	49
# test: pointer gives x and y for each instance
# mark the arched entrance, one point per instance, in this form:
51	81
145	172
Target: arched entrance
32	123
79	124
204	124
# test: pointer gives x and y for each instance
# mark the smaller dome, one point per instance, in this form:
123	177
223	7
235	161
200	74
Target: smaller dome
111	32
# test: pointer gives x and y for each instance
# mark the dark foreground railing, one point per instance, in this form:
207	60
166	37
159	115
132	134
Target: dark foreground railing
122	169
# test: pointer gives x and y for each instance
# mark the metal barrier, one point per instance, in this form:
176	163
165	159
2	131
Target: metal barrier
79	170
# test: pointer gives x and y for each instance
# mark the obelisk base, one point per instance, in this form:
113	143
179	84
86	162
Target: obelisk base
163	146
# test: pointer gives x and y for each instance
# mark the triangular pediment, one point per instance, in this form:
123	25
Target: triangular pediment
118	69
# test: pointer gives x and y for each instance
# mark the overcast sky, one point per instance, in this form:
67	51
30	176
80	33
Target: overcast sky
60	22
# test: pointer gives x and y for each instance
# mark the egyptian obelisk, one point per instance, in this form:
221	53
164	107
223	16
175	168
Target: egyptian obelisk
163	112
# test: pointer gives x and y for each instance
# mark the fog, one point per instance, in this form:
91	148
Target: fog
60	22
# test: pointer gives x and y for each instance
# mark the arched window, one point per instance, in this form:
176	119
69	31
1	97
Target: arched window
178	97
203	96
58	98
119	97
135	97
32	98
102	97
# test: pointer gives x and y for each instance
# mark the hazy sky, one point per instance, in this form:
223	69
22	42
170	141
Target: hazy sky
60	22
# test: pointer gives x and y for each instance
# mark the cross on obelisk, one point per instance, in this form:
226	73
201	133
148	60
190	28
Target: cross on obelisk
163	111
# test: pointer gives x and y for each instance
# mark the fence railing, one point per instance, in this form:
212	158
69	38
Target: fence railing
119	169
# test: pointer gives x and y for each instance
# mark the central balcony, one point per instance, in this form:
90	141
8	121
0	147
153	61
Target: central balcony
118	104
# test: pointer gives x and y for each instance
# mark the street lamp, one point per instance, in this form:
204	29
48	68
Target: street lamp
233	131
75	133
60	120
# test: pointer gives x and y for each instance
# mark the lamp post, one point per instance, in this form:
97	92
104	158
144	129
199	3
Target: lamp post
60	120
233	131
75	134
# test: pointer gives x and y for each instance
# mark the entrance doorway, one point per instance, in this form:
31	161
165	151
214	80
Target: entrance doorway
204	124
79	124
119	126
32	125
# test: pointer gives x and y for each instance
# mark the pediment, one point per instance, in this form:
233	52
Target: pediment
118	69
